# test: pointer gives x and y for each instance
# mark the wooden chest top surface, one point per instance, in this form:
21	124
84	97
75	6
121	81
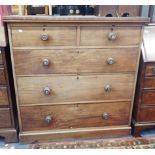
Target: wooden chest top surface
79	19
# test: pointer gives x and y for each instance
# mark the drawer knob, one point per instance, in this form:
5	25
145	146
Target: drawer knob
45	62
153	70
112	36
105	115
107	88
48	119
47	91
44	37
110	61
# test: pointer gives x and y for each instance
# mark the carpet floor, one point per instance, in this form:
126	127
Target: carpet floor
116	143
147	141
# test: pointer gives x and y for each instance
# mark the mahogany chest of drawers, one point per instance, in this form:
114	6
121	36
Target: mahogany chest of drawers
144	107
8	127
74	76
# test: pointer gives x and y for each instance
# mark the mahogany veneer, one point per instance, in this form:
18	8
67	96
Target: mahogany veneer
144	107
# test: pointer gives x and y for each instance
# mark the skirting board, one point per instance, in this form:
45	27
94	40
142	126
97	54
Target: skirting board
73	134
10	135
138	127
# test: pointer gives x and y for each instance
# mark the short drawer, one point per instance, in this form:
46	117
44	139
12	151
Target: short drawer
43	36
3	96
149	82
74	116
28	62
5	118
2	76
150	70
147	114
148	97
110	36
74	88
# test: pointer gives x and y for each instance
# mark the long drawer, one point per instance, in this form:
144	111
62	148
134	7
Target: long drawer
74	116
73	88
43	36
28	62
3	96
5	119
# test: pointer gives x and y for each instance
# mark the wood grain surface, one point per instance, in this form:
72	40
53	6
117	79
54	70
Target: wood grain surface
147	114
149	82
28	62
73	19
5	119
10	135
30	36
149	70
2	77
74	88
67	36
3	96
148	97
99	36
74	134
74	116
76	76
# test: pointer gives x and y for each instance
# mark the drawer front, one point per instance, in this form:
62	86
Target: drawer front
150	70
5	119
43	36
149	82
147	114
100	36
148	97
74	88
74	116
3	96
1	58
2	76
75	61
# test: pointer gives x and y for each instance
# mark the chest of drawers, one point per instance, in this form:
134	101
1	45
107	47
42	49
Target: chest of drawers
144	107
74	76
8	125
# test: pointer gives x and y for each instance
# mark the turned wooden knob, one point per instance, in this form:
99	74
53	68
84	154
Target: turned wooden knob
110	61
48	119
107	88
44	37
46	91
112	36
105	115
45	62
